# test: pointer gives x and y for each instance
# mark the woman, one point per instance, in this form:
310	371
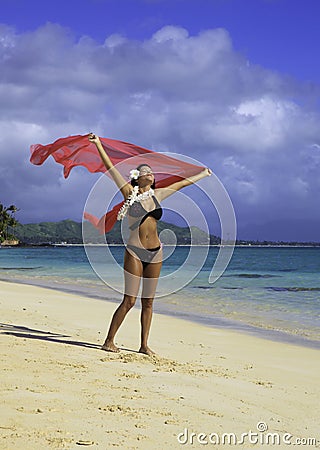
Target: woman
143	255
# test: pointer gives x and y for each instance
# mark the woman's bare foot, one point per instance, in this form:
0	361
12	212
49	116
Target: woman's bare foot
146	351
109	346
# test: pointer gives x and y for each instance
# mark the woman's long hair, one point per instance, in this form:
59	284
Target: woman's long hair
135	182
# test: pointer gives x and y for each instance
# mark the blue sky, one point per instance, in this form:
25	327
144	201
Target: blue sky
278	34
234	83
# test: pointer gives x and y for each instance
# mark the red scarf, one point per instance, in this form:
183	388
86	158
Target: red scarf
79	151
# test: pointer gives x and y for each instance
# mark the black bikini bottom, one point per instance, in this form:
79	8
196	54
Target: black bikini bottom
145	255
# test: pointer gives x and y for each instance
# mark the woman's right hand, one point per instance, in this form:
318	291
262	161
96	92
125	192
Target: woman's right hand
94	138
206	172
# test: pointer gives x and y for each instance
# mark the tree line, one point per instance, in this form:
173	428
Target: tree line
7	222
71	232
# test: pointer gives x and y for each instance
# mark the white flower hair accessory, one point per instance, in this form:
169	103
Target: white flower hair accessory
134	174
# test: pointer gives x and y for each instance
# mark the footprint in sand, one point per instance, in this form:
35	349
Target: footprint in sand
133	397
123	410
129	375
166	365
136	413
266	384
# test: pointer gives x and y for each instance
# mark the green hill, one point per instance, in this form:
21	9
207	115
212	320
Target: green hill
70	232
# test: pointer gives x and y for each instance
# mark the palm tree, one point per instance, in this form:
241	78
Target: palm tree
7	220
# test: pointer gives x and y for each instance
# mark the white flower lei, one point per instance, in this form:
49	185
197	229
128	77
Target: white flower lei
133	197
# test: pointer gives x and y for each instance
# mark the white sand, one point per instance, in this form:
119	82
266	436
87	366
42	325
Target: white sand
59	390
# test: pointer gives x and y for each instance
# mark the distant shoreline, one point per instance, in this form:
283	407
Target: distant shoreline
317	245
288	245
69	232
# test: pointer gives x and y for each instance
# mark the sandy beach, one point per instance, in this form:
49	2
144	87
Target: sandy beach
205	388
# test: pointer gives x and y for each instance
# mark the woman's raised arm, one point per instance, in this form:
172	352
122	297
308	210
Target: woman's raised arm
124	186
163	193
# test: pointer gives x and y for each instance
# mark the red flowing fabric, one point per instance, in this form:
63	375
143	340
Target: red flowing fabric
79	151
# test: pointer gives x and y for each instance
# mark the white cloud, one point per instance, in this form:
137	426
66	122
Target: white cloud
187	94
170	33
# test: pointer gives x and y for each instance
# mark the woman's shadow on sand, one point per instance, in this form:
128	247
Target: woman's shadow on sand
30	333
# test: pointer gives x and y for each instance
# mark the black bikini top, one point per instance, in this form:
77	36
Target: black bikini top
137	210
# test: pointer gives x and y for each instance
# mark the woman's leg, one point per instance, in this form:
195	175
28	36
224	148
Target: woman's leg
132	276
150	280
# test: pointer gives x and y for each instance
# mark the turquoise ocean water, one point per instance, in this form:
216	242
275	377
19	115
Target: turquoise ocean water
271	291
